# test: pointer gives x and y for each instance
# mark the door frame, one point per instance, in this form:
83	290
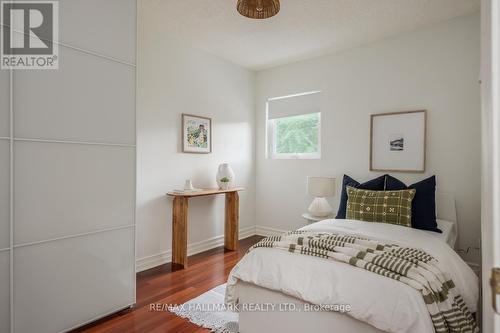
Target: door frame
490	175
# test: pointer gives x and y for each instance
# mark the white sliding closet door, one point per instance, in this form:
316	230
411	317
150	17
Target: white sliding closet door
73	181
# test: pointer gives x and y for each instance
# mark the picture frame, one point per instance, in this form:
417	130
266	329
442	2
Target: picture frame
196	134
398	141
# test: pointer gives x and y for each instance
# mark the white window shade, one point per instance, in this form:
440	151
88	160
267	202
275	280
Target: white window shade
293	105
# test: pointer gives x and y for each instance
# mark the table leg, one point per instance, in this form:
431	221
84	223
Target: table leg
232	217
179	230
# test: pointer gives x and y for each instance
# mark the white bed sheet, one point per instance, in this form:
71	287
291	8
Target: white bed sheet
292	321
391	306
449	234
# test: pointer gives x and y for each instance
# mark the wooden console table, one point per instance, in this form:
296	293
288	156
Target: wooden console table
180	220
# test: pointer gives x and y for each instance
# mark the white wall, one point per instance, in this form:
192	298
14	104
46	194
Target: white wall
435	68
174	78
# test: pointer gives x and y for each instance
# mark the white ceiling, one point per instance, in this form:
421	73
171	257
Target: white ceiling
303	28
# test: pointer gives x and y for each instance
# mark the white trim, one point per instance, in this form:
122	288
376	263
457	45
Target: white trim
134	278
76	142
154	260
495	117
6	249
296	156
74	236
11	195
266	126
116	310
490	155
267	231
4	137
294	95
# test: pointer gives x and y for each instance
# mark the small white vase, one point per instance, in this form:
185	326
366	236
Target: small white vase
225	170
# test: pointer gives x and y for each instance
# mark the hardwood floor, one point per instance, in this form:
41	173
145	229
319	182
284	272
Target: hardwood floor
168	284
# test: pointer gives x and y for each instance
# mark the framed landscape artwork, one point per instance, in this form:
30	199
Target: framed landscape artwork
196	134
397	141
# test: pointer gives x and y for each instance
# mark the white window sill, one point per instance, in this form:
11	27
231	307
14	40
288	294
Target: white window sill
295	157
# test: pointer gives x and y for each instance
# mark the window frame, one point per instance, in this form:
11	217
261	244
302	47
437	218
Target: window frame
271	140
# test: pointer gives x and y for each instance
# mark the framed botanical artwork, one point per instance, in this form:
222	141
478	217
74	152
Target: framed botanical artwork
397	141
196	134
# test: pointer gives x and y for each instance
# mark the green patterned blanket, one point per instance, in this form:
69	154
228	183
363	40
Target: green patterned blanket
414	267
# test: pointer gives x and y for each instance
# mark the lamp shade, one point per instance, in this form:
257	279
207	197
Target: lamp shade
258	9
321	186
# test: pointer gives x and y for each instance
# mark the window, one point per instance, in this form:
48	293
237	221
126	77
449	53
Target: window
294	127
295	136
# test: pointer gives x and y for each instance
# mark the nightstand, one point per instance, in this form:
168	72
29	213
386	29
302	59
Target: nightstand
311	219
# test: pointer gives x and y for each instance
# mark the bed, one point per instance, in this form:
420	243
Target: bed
377	304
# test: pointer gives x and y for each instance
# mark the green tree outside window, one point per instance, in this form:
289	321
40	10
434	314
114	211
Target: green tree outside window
297	134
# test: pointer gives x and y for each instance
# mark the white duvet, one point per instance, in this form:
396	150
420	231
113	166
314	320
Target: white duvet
379	301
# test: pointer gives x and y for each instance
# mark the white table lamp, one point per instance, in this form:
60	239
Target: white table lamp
320	188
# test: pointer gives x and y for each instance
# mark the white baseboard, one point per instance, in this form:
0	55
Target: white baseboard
266	231
148	262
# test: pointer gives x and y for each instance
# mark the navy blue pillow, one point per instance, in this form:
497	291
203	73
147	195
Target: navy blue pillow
423	207
376	184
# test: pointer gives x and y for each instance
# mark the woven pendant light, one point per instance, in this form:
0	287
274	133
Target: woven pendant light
258	9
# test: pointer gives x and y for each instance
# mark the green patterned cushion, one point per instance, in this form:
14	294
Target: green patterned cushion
380	206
